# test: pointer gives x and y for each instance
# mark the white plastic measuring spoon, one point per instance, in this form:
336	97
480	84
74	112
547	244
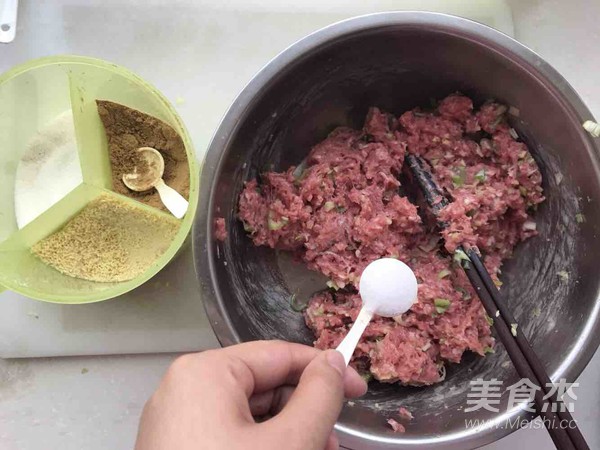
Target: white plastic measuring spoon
152	178
388	287
8	21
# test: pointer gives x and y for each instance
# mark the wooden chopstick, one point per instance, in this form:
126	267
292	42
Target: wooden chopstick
517	346
559	435
532	358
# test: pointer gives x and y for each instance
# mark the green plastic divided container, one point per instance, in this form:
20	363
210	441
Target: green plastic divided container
33	94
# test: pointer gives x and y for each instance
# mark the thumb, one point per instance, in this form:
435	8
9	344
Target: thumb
317	401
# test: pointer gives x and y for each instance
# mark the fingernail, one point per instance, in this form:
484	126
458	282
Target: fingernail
336	360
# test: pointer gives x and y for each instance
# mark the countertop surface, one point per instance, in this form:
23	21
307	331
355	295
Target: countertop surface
95	402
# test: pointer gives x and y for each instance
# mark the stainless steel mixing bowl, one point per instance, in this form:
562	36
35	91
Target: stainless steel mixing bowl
397	61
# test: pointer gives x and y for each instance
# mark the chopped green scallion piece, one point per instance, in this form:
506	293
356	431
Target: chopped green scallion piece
580	218
300	170
318	312
513	329
458	178
563	275
296	304
487	350
443	274
480	176
331	284
441	305
489	320
328	206
277	224
460	257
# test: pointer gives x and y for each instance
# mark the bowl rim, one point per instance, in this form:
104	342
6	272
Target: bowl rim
186	223
203	237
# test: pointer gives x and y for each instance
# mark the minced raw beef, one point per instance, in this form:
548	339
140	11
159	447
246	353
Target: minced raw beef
345	209
405	414
220	229
396	426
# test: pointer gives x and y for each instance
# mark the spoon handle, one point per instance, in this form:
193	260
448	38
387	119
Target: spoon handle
349	343
172	199
8	21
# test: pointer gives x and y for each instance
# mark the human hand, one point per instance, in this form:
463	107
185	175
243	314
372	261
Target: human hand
209	400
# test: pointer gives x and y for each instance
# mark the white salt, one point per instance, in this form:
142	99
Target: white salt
48	170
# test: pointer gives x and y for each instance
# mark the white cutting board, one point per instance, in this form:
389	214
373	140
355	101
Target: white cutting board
203	53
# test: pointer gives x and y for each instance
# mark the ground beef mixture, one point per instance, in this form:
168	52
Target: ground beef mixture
396	426
343	208
220	229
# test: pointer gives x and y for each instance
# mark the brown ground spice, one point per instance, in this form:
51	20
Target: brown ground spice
128	129
110	240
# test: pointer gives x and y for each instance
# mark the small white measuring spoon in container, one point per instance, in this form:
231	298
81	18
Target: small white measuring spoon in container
152	178
388	288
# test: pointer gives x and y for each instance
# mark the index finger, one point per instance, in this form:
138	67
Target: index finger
271	363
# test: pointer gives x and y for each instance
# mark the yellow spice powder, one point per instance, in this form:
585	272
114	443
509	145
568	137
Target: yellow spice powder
108	241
